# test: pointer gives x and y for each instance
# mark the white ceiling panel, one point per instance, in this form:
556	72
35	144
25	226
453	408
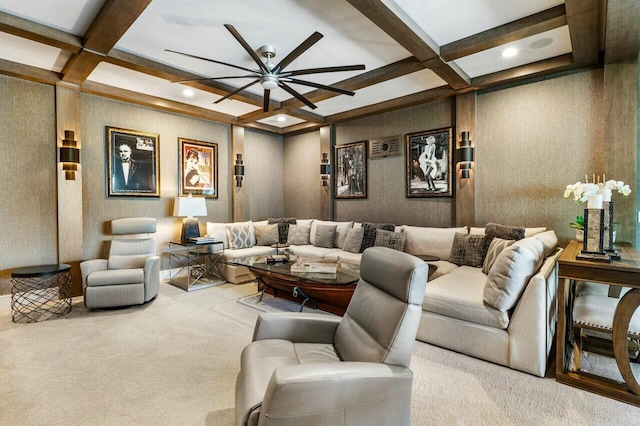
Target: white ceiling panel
281	120
491	60
72	16
32	53
113	75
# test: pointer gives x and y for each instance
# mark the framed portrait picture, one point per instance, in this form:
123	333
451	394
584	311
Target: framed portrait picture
133	163
198	168
429	166
351	170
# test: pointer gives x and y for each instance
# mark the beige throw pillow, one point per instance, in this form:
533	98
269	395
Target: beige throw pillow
325	236
353	241
495	248
299	235
266	234
511	272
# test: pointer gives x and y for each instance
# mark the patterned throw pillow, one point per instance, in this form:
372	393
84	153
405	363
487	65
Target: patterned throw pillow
495	247
298	235
369	238
266	234
283	226
353	241
467	250
241	235
325	235
393	240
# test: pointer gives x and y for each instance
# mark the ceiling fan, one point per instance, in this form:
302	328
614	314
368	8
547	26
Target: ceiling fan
271	76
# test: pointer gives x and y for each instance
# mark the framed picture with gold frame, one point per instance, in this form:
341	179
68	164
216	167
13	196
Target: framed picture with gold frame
429	167
133	159
198	168
351	170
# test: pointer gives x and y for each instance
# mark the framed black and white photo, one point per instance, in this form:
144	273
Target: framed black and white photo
351	170
133	163
429	167
198	168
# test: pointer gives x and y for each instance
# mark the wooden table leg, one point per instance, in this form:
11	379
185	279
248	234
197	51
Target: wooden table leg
621	319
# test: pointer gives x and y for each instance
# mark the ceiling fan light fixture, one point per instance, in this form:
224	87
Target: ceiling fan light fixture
269	81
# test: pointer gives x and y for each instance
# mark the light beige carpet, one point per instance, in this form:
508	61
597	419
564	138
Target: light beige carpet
174	362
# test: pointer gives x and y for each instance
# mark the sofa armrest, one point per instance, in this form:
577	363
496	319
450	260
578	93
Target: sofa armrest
89	266
151	277
533	324
296	327
369	393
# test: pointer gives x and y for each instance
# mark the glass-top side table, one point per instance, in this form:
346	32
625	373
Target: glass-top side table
40	292
195	266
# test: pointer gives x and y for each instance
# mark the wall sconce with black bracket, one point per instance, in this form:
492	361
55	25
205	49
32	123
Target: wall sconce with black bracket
238	170
465	156
69	155
325	169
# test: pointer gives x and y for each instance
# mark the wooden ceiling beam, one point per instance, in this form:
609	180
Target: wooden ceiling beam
534	24
40	33
622	38
264	127
546	66
393	20
582	18
294	112
113	20
27	72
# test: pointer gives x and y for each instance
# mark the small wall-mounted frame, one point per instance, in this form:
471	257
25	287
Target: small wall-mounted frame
385	147
133	163
198	168
351	170
429	167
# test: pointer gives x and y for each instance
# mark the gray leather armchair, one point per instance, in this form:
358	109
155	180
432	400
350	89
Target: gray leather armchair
131	275
314	369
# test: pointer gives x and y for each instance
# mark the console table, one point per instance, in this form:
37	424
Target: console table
624	272
40	292
195	265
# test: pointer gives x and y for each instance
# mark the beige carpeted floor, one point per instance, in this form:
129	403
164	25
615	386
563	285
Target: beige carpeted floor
174	362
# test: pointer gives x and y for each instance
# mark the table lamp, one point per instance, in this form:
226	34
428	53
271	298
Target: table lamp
188	207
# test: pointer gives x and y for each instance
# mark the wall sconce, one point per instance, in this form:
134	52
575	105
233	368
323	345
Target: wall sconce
69	155
325	169
465	155
238	170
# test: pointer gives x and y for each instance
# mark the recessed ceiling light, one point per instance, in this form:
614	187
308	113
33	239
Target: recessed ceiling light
540	43
510	52
282	118
188	93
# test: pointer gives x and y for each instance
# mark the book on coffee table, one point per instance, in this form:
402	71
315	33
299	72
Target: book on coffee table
318	266
276	258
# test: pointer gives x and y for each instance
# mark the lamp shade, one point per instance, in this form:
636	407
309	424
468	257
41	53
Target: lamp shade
189	206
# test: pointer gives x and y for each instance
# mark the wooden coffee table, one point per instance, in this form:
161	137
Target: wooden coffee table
329	292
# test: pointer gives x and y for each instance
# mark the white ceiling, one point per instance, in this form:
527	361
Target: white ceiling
196	27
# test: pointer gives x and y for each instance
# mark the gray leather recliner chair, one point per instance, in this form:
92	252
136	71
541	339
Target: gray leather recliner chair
131	275
314	369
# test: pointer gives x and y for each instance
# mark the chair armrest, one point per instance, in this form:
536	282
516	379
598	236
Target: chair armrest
89	266
296	327
151	277
369	393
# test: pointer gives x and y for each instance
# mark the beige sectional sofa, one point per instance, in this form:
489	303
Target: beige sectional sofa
517	326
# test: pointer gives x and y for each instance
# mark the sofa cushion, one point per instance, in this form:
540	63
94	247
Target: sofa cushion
299	234
467	250
369	238
549	241
390	239
459	294
249	251
115	276
444	267
305	222
312	251
495	247
431	241
241	235
219	232
345	257
353	241
513	268
267	234
283	226
528	232
341	231
325	236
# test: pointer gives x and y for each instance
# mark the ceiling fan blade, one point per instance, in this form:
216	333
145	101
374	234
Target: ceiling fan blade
323	69
320	86
236	91
216	78
267	94
246	46
297	95
212	60
302	47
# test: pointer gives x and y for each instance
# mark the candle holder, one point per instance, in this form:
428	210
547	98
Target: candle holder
607	207
593	245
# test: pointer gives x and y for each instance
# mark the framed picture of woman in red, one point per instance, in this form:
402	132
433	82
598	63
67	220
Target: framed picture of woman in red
198	168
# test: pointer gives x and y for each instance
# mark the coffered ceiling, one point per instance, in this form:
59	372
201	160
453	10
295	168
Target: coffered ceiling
414	51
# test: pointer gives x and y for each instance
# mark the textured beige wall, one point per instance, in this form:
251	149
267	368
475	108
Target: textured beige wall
28	175
533	140
263	160
387	201
302	183
99	210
